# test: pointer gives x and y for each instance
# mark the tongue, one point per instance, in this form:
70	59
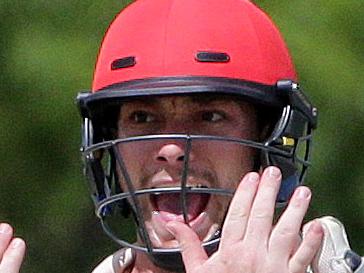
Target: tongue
171	202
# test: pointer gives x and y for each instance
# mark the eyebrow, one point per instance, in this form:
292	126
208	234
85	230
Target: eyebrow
195	98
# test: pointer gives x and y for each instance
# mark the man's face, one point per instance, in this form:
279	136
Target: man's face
212	164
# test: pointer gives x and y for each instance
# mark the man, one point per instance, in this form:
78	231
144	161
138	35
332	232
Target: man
12	250
194	102
215	140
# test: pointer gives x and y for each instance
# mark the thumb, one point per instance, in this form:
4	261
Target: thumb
193	254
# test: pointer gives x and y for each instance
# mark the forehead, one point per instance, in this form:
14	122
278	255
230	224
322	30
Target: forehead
189	102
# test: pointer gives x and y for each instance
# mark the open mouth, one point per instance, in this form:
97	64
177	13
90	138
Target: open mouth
196	203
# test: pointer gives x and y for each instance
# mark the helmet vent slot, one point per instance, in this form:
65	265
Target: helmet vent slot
212	57
123	63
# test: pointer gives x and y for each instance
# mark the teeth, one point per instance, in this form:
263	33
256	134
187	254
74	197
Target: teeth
196	186
188	186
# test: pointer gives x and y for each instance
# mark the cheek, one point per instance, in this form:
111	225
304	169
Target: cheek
134	156
229	161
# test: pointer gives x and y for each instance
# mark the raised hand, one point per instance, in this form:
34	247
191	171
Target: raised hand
249	242
12	250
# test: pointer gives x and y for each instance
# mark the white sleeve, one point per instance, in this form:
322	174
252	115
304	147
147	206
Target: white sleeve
105	266
117	262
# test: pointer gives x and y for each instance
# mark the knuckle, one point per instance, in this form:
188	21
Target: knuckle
286	232
269	187
297	203
238	215
261	213
259	217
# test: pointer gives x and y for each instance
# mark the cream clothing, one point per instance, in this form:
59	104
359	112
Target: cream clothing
117	262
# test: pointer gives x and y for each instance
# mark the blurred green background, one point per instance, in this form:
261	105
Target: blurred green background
48	50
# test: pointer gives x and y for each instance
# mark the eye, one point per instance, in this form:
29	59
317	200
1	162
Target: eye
141	117
212	116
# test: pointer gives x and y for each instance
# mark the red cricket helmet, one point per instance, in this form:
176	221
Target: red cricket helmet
165	47
164	38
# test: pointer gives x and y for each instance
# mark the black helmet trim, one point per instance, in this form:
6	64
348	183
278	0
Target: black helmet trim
250	91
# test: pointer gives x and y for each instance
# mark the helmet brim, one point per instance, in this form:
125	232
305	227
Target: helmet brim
117	93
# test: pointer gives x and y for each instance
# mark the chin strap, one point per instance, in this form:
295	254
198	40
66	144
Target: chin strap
335	255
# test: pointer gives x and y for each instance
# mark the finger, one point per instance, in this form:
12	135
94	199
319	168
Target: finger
284	236
6	233
193	254
239	210
297	242
13	257
307	250
261	215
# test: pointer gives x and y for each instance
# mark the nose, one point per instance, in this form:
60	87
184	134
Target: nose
171	154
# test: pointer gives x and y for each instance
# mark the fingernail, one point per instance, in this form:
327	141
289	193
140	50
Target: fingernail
15	243
5	228
274	172
303	193
253	177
